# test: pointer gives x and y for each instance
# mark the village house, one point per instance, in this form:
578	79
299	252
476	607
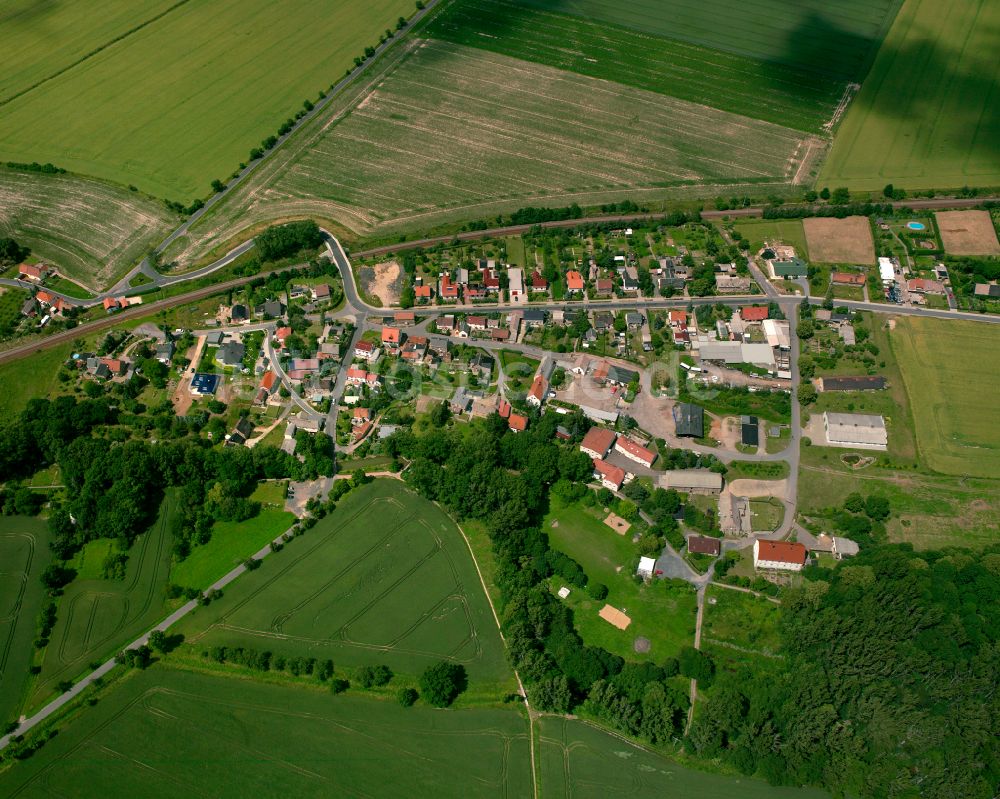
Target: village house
517	423
609	475
366	351
779	555
536	394
360	416
732	284
604	287
574	281
538	283
753	313
692	481
919	285
391	338
704	545
636	452
847	278
34	273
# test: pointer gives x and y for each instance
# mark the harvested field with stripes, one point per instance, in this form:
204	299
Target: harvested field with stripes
458	129
90	231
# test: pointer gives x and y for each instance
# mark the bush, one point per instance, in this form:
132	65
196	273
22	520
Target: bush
374	676
339	685
407	696
597	590
441	683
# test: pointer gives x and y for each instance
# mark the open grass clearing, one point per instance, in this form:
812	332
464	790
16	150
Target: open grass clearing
24	554
231	544
740	629
150	735
967	232
28	378
600	48
89	561
926	117
952	387
660	612
385	578
98	616
840	241
767	514
209	64
92	231
929	511
585	762
757	470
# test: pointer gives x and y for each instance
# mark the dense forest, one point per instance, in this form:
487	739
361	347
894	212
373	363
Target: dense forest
888	686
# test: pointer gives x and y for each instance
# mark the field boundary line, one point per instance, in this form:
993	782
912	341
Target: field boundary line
527	705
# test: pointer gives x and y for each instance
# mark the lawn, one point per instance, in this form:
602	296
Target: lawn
92	231
270	493
945	367
231	544
740	629
767	514
24	554
578	760
926	116
165	733
98	616
660	612
69	288
514	362
89	561
785	231
757	470
28	378
387	577
206	62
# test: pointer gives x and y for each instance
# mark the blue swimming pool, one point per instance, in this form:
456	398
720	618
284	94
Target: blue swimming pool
916	225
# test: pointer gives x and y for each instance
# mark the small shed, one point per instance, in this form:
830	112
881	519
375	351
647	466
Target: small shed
646	567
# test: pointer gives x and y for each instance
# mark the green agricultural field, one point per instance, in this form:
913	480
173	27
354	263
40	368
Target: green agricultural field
165	733
801	91
231	544
945	367
661	613
809	34
97	617
93	232
385	578
24	554
158	109
927	115
11	300
740	630
585	762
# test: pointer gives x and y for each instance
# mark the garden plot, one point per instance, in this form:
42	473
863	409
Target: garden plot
840	241
968	233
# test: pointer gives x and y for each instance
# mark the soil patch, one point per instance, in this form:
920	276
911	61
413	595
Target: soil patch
968	233
641	645
840	241
615	617
616	523
384	280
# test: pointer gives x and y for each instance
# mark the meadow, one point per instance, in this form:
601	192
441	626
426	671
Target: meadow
203	66
661	613
927	116
92	231
582	761
945	366
97	616
168	733
27	378
740	630
386	578
794	93
785	231
231	544
24	554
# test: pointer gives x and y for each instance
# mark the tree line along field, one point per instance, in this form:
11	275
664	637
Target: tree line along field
927	116
180	101
98	616
93	231
165	733
786	76
387	578
456	131
24	554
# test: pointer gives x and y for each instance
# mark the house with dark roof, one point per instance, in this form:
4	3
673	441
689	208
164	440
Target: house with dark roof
231	353
619	376
749	431
704	545
272	309
689	420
